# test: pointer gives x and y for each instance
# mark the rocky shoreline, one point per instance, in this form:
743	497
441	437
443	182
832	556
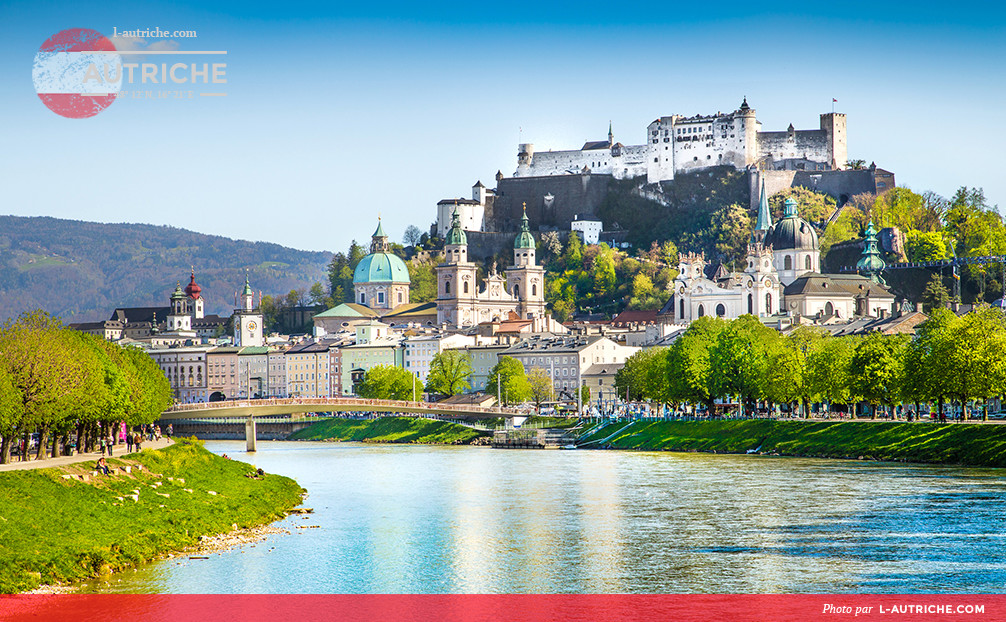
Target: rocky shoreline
207	545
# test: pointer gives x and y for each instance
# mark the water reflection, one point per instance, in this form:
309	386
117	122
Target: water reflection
416	519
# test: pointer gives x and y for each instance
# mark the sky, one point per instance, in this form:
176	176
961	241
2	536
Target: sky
336	113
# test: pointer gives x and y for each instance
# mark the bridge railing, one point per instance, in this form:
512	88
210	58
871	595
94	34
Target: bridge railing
322	402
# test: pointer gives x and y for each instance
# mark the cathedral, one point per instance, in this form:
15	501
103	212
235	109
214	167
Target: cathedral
782	277
460	300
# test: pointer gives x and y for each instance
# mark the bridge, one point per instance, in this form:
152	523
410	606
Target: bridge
249	410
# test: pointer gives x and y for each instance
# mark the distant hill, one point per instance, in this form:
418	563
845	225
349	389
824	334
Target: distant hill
81	271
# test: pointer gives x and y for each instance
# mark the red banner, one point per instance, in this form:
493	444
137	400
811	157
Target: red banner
497	608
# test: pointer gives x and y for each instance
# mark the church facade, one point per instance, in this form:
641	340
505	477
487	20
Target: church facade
782	276
461	301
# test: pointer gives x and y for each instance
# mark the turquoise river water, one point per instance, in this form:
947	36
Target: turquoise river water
427	519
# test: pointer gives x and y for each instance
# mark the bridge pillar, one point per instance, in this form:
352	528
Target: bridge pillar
250	434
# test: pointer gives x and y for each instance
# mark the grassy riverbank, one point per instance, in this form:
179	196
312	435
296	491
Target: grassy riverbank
55	529
389	430
963	444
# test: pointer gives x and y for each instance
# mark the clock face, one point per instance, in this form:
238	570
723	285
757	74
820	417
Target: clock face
252	325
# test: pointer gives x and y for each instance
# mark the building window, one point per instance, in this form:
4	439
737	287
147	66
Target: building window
768	303
363	298
806	262
702	311
534	289
720	310
466	287
516	291
447	287
380	298
399	297
787	263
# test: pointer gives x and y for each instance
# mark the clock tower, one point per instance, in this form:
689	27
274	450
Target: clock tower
248	329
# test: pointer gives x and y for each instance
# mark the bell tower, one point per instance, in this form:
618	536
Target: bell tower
248	329
456	284
525	280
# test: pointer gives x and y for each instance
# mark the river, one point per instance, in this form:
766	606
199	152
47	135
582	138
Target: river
428	519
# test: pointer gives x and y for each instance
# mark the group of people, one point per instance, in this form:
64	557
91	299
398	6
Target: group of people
134	442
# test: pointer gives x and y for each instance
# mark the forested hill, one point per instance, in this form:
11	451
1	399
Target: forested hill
81	271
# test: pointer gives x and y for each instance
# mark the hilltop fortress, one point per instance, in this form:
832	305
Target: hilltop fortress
678	144
562	190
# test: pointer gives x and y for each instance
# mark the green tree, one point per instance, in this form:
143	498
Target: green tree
508	380
572	257
644	375
387	382
450	373
603	271
740	356
877	368
813	206
925	246
828	376
540	386
690	373
935	295
423	286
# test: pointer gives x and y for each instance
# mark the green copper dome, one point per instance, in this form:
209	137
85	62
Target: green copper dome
381	268
524	239
247	291
178	293
456	235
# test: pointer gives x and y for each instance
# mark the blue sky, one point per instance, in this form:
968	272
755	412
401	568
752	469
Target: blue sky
338	112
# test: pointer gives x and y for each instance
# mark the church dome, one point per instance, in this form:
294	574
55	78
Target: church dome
192	289
381	268
792	232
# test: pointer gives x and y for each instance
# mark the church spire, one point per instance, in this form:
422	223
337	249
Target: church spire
611	136
764	215
871	264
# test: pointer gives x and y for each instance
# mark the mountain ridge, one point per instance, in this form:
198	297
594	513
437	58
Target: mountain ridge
82	270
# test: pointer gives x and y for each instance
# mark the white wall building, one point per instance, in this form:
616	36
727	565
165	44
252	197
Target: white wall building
185	369
419	351
588	228
676	144
471	212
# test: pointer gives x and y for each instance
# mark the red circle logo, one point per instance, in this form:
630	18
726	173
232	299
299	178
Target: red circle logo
77	73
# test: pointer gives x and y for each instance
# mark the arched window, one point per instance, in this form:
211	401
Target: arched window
534	289
681	315
829	309
516	291
806	262
768	304
466	287
702	311
750	304
447	287
720	310
787	263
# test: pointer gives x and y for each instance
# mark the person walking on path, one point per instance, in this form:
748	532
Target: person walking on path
129	442
138	441
104	443
111	446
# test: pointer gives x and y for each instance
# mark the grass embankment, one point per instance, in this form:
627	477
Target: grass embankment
58	530
963	444
389	430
